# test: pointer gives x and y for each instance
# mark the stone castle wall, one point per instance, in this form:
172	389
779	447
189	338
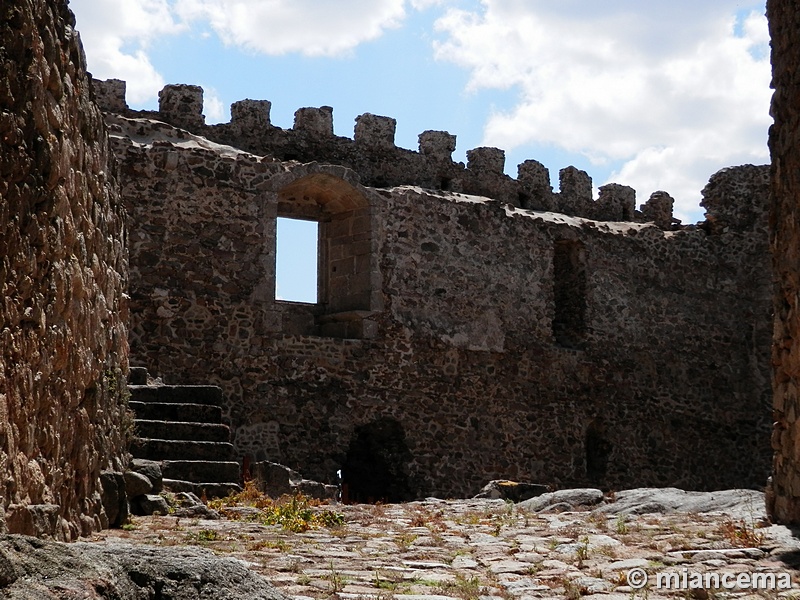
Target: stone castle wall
457	338
63	341
784	141
372	154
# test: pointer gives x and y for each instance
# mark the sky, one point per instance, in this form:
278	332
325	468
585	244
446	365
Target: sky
651	94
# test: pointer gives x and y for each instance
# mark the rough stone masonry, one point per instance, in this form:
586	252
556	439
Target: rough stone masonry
63	274
784	140
469	326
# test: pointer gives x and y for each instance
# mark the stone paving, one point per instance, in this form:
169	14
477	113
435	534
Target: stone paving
491	550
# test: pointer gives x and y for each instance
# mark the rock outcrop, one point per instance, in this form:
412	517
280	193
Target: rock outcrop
32	568
63	272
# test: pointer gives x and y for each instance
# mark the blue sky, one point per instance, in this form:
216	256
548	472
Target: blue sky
656	95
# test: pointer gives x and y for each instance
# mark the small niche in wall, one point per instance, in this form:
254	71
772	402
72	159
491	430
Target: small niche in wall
296	262
569	294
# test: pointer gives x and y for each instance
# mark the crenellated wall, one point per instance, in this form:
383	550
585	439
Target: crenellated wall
63	275
379	163
457	338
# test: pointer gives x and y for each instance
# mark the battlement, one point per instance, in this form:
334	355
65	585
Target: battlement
373	154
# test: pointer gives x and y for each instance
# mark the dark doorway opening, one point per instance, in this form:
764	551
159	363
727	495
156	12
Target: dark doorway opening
598	450
376	467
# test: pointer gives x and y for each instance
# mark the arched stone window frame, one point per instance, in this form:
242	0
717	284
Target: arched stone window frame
348	284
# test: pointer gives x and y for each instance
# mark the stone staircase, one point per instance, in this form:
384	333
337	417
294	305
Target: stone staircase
180	426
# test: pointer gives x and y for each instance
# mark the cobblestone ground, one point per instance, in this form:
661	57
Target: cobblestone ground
488	549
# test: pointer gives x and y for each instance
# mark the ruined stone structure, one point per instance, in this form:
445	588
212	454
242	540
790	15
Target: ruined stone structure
465	330
784	140
379	163
63	271
470	326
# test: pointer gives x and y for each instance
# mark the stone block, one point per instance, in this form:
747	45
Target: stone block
437	144
317	121
150	469
273	479
137	376
375	132
487	160
735	199
658	209
136	484
616	203
575	183
317	490
150	504
251	115
114	497
182	106
110	95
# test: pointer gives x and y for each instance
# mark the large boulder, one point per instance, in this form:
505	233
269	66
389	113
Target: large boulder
576	499
115	498
136	484
515	491
33	568
150	469
738	504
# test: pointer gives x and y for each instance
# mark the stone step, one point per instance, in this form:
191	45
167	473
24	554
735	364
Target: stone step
137	376
160	449
201	470
210	489
165	411
193	394
182	430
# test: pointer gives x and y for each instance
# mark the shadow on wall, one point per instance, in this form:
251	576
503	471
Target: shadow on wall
376	467
598	450
569	294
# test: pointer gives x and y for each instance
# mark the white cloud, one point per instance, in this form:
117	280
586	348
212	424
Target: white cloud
673	92
310	27
213	107
116	33
425	4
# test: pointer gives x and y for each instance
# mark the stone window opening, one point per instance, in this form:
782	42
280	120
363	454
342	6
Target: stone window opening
297	260
344	251
569	294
